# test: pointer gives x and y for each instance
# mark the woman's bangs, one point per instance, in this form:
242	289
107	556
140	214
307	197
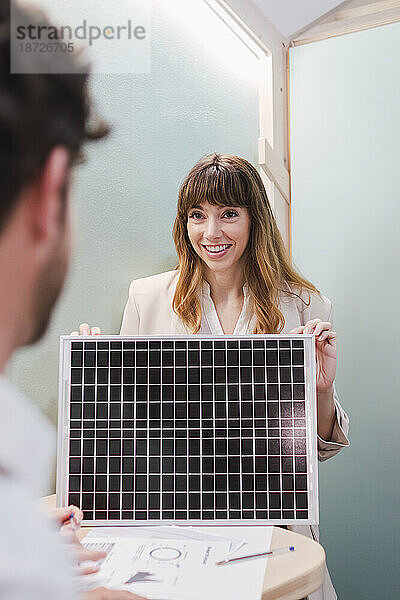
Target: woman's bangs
215	186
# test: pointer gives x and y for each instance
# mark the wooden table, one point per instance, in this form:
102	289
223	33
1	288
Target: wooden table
294	575
291	576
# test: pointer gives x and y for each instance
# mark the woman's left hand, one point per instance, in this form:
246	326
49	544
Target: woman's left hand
325	347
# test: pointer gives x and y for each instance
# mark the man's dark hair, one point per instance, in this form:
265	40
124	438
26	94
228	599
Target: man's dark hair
37	113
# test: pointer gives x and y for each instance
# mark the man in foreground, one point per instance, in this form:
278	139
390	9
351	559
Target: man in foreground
43	125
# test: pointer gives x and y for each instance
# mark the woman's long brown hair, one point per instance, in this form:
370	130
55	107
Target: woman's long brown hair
226	180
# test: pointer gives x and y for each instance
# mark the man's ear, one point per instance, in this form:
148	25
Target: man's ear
48	196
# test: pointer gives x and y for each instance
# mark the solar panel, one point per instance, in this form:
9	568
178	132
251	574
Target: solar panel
188	430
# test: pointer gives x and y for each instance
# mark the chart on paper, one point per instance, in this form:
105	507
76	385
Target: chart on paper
158	568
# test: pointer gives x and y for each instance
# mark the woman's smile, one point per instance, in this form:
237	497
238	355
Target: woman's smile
216	252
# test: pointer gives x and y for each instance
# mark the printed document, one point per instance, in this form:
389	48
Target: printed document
179	563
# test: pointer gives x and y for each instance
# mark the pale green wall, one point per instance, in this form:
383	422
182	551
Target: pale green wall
201	96
345	132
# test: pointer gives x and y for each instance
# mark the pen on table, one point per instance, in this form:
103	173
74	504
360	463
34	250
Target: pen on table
228	561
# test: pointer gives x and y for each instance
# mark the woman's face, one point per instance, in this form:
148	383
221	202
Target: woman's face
219	234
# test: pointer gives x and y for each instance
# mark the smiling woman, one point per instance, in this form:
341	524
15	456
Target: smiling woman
235	277
225	233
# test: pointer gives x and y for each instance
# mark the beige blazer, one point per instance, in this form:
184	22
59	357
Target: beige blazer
149	312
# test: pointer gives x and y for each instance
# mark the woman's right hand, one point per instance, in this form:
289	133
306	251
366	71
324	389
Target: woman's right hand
85	329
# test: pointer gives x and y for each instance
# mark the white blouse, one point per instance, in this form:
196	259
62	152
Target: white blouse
210	323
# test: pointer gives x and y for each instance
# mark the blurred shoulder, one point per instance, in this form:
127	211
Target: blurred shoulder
34	563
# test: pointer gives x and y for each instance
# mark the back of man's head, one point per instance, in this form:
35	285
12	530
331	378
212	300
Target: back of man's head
37	113
44	122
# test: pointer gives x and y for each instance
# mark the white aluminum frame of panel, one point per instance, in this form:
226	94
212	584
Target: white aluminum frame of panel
311	427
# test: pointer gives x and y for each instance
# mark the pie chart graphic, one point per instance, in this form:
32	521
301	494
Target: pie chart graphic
165	553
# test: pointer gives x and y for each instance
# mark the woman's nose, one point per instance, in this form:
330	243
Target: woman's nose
213	229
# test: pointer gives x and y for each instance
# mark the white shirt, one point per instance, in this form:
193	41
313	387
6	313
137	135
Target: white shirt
33	565
210	323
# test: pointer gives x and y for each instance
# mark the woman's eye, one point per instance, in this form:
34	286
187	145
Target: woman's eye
195	215
230	214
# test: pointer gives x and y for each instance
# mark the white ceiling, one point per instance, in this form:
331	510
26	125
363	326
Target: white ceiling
288	16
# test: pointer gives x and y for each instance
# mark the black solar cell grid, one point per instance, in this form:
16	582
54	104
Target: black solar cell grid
189	430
